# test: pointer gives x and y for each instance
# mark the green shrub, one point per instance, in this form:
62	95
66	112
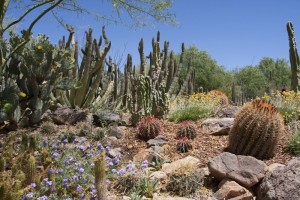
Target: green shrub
293	144
190	113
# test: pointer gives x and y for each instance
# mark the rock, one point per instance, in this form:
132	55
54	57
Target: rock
217	126
283	183
159	175
105	118
157	141
112	153
126	119
117	131
151	154
157	197
188	161
110	141
245	170
273	167
228	112
67	116
229	189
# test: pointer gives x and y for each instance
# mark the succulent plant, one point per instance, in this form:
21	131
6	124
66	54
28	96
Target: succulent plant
186	129
100	176
256	130
48	127
183	145
2	164
185	180
148	128
30	170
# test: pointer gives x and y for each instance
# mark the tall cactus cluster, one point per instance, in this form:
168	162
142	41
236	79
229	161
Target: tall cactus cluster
294	58
41	76
256	130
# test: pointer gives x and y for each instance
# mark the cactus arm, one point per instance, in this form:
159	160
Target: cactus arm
294	59
100	176
142	57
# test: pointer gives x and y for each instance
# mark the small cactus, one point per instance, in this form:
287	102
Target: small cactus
32	142
100	176
25	141
2	164
30	170
148	128
186	129
48	128
183	145
256	130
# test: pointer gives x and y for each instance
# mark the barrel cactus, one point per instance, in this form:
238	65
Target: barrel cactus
186	129
183	145
256	130
148	128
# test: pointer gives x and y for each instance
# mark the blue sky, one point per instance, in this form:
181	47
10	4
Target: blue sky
235	33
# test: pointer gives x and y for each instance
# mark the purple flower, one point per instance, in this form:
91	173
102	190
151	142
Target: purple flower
60	171
79	188
116	161
144	163
45	179
110	164
100	147
82	196
65	141
121	171
32	185
75	178
82	148
50	171
65	180
107	148
94	191
29	195
43	198
129	166
45	143
81	170
49	183
114	171
55	155
76	163
68	199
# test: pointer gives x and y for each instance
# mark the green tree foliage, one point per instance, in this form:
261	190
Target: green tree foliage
208	74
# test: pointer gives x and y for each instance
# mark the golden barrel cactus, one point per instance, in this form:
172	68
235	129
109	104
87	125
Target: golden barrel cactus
256	130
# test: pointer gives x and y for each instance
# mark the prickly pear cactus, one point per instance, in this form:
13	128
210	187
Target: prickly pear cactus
256	130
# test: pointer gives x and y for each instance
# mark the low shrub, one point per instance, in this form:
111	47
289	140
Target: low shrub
293	144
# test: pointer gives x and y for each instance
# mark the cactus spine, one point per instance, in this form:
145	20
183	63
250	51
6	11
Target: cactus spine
294	59
100	176
256	130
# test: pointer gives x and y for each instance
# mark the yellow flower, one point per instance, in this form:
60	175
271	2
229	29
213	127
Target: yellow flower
22	94
39	47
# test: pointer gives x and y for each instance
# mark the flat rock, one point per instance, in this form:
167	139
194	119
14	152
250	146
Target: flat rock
157	141
157	197
245	170
189	161
217	126
67	116
229	111
229	189
117	131
273	167
283	183
105	118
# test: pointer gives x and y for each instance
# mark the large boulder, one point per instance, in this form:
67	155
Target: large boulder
68	116
217	126
105	118
229	189
245	170
282	183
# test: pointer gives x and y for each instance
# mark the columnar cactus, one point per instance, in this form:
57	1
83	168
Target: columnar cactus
100	176
30	170
256	130
294	59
